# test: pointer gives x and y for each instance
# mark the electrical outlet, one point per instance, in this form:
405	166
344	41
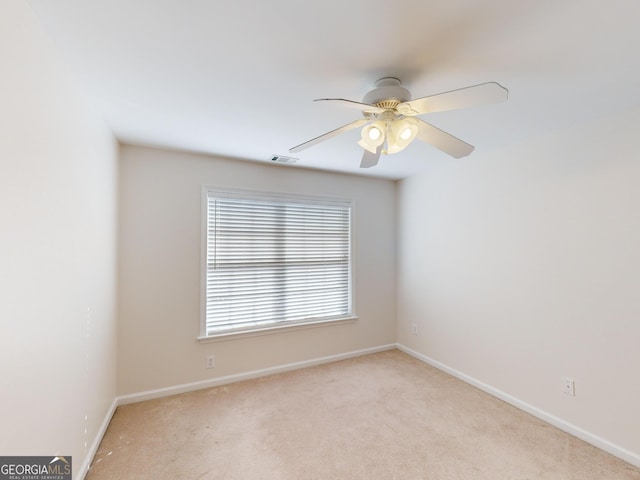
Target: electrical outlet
211	361
414	329
569	386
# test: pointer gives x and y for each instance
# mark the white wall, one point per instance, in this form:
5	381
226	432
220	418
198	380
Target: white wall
522	266
159	269
57	252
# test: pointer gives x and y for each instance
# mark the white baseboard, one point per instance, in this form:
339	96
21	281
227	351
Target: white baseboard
214	382
607	446
84	468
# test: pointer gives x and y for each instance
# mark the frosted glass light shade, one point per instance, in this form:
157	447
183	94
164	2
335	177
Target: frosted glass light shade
372	136
401	133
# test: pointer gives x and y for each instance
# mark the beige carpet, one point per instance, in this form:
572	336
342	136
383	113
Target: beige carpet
382	416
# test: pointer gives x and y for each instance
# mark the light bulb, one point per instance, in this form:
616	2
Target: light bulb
406	134
374	133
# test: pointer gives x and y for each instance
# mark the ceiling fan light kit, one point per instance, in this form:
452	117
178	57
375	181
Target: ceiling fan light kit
390	117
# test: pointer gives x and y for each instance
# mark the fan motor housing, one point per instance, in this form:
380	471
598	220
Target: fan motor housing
388	93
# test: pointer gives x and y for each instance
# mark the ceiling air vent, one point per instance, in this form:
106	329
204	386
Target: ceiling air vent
284	160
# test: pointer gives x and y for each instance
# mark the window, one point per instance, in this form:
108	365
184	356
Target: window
274	261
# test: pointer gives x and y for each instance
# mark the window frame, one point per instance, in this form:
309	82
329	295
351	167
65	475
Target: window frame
258	195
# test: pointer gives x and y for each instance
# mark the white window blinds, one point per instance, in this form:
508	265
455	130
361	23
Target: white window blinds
271	261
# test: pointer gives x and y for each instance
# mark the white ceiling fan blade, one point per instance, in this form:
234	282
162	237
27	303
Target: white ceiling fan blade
442	140
485	93
370	159
331	134
365	107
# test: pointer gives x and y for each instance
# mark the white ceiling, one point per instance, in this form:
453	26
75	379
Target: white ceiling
238	78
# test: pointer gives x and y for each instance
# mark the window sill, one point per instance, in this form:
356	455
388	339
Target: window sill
221	337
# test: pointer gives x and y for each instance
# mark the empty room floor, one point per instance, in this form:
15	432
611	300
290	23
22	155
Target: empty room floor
380	416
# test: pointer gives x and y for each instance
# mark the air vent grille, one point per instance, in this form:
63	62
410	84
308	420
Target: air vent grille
283	160
390	103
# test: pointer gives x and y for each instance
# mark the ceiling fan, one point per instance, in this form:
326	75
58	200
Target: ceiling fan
390	120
